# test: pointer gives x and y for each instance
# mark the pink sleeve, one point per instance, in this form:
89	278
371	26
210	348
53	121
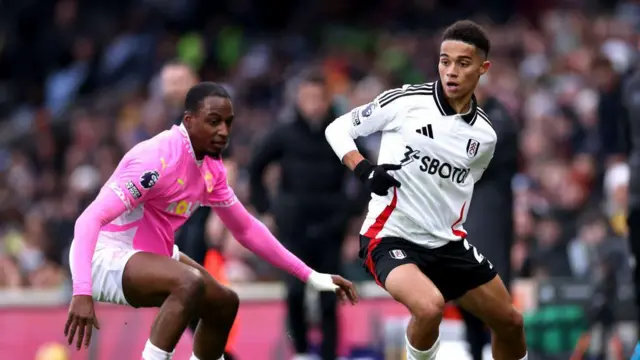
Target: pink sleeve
255	236
103	210
139	172
221	194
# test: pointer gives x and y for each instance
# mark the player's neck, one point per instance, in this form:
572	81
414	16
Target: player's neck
461	105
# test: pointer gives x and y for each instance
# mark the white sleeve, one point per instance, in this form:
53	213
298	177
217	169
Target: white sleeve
482	162
378	115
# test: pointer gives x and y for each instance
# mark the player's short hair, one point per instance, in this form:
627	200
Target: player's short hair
468	32
201	91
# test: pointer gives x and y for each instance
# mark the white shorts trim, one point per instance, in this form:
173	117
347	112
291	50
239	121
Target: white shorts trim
107	269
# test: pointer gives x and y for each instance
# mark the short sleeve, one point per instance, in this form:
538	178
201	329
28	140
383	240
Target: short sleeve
220	194
138	177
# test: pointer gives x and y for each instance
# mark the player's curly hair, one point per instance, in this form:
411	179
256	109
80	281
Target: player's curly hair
201	91
468	32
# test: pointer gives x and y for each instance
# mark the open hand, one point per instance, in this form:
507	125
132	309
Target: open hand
82	318
346	290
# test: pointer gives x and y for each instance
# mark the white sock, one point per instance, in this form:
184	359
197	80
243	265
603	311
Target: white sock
526	356
194	357
415	354
152	352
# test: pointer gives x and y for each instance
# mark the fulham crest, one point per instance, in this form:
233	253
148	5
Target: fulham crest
472	148
398	254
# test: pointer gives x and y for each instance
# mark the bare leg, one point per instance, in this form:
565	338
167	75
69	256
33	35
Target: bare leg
217	312
492	303
409	286
152	280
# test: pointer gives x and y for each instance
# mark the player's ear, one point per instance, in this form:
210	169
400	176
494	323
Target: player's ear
485	67
187	118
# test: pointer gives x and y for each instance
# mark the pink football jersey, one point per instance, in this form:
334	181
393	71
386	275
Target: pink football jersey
161	183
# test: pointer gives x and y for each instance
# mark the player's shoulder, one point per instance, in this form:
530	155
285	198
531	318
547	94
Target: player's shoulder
407	94
482	124
161	150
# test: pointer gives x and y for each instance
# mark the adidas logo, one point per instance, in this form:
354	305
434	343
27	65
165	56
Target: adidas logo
426	131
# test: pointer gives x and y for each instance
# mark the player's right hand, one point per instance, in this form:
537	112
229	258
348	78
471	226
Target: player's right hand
82	318
376	177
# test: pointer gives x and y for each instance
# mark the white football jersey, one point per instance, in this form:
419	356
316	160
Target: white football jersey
442	154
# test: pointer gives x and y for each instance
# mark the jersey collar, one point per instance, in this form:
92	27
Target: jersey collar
447	110
187	141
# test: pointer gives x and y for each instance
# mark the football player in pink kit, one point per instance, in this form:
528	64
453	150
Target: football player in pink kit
123	250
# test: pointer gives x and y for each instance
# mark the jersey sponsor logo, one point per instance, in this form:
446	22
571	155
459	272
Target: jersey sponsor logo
472	148
133	190
149	179
409	156
183	207
397	254
355	117
368	110
426	131
434	166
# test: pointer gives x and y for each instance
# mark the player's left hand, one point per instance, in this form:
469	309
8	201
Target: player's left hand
346	290
342	287
82	318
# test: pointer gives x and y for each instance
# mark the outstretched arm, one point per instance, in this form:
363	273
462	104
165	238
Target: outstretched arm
255	236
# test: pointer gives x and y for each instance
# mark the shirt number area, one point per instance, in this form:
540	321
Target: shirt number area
479	257
182	207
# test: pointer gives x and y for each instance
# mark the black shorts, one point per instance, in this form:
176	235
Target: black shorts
453	268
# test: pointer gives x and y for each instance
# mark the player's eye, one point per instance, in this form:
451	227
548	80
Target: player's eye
444	62
464	64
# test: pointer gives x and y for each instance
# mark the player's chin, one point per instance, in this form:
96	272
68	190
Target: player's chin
216	149
455	92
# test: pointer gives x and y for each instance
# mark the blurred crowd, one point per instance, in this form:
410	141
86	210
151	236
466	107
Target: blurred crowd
82	82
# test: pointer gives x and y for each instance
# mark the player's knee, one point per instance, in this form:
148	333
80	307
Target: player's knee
190	285
429	310
221	307
231	303
511	324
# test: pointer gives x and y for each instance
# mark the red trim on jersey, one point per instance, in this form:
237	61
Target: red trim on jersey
459	233
377	226
373	232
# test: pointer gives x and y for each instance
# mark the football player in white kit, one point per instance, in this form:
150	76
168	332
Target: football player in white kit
436	143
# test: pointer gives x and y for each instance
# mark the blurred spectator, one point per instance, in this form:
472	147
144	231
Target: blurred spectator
311	209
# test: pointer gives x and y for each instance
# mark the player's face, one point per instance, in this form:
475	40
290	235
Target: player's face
460	68
209	129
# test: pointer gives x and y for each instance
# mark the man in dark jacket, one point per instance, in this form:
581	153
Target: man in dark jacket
311	209
489	224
